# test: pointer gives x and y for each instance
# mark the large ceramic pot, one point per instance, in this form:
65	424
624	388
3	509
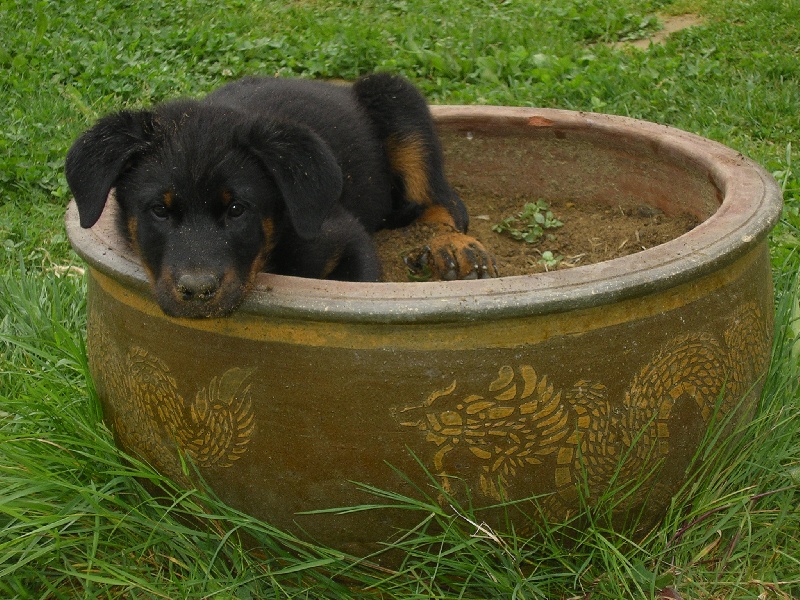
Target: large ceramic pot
514	387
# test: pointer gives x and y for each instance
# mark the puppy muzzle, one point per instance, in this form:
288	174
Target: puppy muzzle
197	287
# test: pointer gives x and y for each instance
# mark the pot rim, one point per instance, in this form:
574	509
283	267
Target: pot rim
751	205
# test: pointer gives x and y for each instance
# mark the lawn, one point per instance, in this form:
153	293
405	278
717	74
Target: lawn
77	520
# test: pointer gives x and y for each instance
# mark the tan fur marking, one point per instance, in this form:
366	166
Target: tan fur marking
169	198
268	227
227	198
168	282
133	233
258	265
407	159
332	263
437	215
230	281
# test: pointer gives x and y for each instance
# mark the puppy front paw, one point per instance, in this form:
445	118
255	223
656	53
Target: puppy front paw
454	255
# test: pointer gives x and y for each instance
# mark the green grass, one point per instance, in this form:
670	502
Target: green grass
76	519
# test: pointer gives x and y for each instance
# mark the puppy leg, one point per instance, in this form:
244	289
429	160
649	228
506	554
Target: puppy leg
405	127
342	251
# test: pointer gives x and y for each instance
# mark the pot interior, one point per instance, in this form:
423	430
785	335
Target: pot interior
551	160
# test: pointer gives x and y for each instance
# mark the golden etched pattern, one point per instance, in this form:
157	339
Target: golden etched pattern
520	420
692	366
590	439
151	416
221	421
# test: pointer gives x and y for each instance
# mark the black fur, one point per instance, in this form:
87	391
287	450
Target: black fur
288	176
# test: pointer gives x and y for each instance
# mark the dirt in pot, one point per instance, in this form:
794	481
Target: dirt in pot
530	235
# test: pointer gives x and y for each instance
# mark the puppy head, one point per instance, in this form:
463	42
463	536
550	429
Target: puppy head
203	192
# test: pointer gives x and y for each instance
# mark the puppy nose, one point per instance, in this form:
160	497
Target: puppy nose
197	286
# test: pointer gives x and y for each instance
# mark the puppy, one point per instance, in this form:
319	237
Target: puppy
279	175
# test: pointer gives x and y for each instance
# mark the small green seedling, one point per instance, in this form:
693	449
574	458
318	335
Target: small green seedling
529	224
549	260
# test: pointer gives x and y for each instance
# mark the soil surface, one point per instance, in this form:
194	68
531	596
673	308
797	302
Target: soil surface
591	233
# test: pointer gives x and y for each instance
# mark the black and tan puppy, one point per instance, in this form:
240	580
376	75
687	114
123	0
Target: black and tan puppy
287	176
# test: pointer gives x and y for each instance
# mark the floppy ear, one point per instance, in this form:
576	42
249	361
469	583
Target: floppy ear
96	160
304	169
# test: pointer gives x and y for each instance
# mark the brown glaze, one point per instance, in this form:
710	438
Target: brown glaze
516	386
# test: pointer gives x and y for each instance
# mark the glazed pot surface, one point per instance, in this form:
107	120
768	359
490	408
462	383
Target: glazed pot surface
514	387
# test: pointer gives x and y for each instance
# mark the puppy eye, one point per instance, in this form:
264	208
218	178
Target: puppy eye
160	211
236	209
